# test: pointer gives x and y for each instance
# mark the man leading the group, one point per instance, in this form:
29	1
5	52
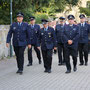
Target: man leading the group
21	39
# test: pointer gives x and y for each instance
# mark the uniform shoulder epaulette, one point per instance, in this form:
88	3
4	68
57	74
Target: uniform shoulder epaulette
57	24
36	24
14	23
66	24
78	23
41	28
50	27
25	22
75	24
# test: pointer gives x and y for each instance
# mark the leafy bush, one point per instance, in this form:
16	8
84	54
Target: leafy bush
85	11
40	16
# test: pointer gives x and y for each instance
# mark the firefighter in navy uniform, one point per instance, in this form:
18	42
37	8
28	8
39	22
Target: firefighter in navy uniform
83	40
71	36
21	39
47	39
34	32
59	34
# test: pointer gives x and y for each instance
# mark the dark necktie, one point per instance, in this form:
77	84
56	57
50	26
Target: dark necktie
45	29
32	26
82	25
19	24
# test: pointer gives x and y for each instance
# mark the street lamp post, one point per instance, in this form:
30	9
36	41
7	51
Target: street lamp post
11	11
11	24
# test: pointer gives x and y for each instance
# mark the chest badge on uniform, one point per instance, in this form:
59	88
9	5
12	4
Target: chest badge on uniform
14	28
49	34
41	33
35	31
74	29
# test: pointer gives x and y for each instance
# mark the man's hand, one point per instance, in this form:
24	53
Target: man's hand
7	45
29	46
70	42
38	48
55	48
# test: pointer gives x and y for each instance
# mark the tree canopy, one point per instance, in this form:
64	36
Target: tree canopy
42	8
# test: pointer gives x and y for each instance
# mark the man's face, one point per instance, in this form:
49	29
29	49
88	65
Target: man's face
71	21
62	22
45	25
82	20
32	22
19	19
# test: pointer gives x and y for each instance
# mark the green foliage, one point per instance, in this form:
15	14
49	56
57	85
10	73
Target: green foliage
38	8
72	2
40	16
60	5
85	11
4	12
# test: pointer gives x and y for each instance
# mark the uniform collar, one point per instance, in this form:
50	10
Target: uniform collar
32	25
46	28
71	25
83	23
63	24
19	23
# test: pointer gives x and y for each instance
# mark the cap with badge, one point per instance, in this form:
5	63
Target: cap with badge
44	21
62	18
82	16
20	14
70	17
31	18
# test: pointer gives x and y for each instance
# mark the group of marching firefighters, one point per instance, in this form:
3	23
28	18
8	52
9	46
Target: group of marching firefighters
68	39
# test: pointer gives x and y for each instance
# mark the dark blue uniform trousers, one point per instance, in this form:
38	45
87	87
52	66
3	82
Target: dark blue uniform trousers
61	53
19	52
73	52
83	51
30	54
47	58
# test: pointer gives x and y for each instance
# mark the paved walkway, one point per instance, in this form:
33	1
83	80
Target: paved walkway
35	79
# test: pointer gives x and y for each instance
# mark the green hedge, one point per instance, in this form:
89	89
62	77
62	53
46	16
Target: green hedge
85	11
40	16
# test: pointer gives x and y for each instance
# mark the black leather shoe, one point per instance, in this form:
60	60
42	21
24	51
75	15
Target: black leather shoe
29	64
40	62
68	71
63	63
60	64
49	71
80	64
20	72
46	70
75	69
86	64
17	71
